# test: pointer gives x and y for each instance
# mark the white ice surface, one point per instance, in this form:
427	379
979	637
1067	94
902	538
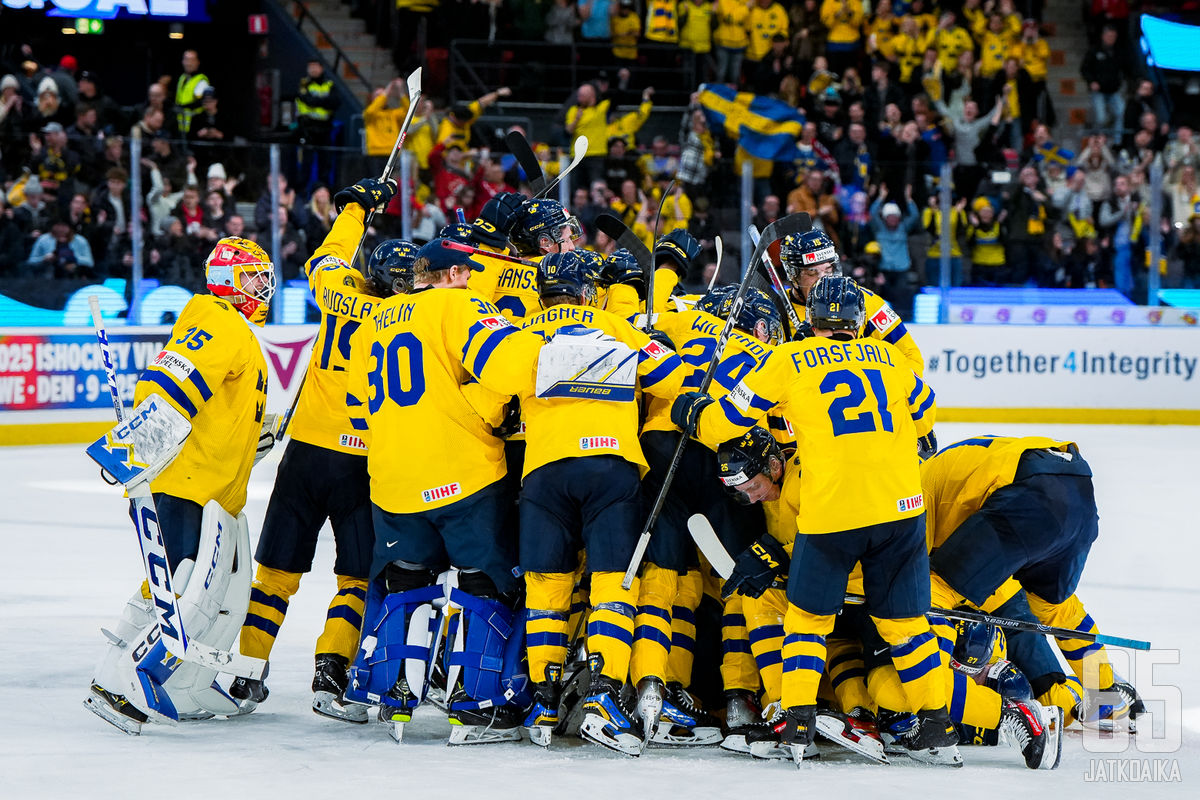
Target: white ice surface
69	560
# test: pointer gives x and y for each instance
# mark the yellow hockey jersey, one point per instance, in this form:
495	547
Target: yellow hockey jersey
213	371
961	476
409	364
560	427
340	293
512	288
884	324
857	408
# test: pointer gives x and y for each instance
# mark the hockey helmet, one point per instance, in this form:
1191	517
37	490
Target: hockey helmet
240	271
757	307
741	460
810	250
541	225
676	249
977	645
497	218
593	264
566	275
458	231
835	303
717	301
391	267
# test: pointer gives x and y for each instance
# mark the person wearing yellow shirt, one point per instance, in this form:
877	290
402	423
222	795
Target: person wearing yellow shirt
1033	52
625	27
455	127
995	45
931	221
767	20
853	403
880	28
950	39
696	34
414	366
731	37
211	371
582	490
1022	507
844	20
907	49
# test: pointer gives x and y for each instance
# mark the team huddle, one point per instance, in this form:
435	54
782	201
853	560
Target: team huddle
487	422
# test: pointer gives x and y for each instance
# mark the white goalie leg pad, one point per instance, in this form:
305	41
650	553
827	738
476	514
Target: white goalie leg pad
213	603
115	673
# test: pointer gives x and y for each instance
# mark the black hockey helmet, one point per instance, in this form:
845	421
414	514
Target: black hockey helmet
539	221
835	303
676	249
976	644
717	301
757	307
740	460
566	274
390	268
459	232
808	250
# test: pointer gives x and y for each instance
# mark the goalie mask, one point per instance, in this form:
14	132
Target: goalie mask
240	271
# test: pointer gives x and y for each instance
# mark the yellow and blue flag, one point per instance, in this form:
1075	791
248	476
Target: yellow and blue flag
765	127
1050	152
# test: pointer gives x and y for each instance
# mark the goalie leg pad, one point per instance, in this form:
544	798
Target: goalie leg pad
487	639
397	642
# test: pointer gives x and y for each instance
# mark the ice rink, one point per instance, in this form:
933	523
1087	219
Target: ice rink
70	560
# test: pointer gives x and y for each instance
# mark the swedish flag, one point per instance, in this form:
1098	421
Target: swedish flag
765	127
1050	152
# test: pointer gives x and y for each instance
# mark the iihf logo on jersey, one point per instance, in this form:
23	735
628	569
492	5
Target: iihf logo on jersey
911	503
599	443
441	492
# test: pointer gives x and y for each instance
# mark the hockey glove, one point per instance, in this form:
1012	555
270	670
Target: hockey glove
661	337
369	193
626	271
759	567
686	410
266	438
926	445
512	420
803	331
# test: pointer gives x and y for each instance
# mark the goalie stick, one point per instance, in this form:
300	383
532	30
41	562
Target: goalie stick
173	637
518	145
614	229
414	96
706	540
793	223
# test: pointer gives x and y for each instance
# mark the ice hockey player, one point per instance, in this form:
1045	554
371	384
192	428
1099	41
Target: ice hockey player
211	371
1024	507
323	473
544	226
873	427
582	473
671	583
410	366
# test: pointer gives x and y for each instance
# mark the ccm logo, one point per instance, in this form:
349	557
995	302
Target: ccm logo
599	443
441	492
911	503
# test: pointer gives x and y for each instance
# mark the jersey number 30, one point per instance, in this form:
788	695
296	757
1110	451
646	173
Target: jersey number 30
864	421
389	373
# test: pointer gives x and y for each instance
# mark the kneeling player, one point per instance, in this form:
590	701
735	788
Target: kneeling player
213	373
857	408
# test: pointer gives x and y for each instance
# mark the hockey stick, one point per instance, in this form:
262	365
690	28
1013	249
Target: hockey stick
414	96
614	229
518	145
460	247
793	223
650	273
793	317
577	154
720	254
172	636
710	545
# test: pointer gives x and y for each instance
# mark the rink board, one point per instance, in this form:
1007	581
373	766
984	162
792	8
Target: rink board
53	387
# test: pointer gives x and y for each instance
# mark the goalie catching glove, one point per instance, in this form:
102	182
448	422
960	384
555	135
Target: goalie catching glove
266	439
760	566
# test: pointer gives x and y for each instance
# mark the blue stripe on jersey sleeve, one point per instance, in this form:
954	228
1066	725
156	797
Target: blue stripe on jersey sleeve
735	416
869	328
173	390
488	347
358	424
760	404
661	371
920	412
201	386
896	334
912	398
352	401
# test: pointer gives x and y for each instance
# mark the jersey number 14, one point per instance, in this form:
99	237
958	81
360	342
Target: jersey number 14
863	422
